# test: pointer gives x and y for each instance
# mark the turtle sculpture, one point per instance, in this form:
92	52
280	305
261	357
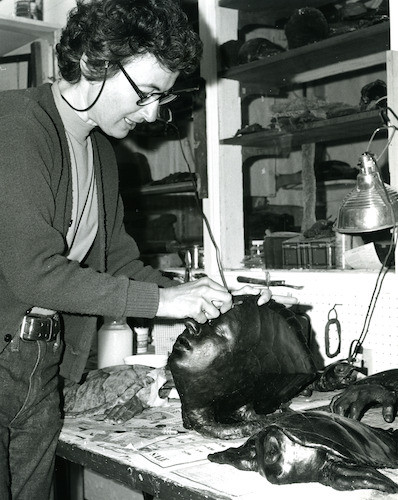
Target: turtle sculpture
232	372
317	446
114	393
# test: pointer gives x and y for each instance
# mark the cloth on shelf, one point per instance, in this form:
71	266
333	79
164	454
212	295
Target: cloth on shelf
294	113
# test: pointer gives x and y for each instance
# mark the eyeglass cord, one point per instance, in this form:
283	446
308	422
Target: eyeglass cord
96	99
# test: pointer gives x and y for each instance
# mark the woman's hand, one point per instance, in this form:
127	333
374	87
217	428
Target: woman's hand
204	299
263	292
265	295
201	300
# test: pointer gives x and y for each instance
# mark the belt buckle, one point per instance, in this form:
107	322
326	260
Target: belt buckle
31	334
22	329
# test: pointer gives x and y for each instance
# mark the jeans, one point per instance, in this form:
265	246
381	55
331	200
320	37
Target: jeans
30	418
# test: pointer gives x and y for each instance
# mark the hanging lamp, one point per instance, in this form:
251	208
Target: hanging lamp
372	205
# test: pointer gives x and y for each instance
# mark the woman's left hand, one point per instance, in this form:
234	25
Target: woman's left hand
265	295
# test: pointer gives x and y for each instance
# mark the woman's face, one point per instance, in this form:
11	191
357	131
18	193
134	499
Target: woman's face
117	112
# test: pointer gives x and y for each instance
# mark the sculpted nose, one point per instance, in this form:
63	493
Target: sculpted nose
193	327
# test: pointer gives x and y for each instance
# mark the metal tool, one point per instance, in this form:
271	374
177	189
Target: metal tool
188	266
265	282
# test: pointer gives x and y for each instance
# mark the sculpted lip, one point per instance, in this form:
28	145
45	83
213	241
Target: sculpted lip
183	343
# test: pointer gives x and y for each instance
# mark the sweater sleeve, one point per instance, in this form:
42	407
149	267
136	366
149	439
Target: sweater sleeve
123	260
33	259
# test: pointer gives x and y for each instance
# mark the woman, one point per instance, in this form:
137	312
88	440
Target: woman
65	256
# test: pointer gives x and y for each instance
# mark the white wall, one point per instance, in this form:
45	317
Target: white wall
352	291
56	11
7	8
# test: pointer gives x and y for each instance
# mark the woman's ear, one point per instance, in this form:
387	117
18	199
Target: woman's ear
84	67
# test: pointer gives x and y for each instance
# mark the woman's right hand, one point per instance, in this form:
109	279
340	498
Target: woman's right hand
202	299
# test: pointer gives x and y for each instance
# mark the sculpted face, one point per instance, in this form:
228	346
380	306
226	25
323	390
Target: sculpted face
198	347
244	363
214	344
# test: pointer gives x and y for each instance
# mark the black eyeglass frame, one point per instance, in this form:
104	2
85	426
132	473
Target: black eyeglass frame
145	99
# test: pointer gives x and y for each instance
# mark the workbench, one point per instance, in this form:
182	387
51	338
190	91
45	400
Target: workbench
143	456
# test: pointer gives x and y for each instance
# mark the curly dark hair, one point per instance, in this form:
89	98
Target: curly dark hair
116	30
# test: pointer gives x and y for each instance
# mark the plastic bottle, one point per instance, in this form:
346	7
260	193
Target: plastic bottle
142	336
115	342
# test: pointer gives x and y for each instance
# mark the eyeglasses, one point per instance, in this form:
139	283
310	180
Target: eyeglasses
145	99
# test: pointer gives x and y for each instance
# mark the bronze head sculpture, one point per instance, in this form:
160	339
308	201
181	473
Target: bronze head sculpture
234	370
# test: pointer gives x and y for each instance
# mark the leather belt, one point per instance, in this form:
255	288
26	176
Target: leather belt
37	327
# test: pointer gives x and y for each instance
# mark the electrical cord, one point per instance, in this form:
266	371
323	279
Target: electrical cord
356	345
199	206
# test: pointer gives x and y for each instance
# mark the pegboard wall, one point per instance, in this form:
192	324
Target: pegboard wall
164	334
381	342
350	293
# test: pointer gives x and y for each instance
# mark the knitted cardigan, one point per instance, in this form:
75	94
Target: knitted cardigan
35	212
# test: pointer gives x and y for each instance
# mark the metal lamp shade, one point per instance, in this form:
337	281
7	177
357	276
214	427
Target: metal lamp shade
370	206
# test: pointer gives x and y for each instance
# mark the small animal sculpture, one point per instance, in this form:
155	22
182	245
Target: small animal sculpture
373	95
337	375
233	371
316	446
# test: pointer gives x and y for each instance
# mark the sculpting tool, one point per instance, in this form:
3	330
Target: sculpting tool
257	281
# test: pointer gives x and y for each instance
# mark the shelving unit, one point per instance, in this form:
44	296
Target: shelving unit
282	9
15	32
285	68
342	127
178	187
337	55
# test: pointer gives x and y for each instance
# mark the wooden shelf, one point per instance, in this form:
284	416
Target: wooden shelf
342	127
172	188
282	69
280	9
15	32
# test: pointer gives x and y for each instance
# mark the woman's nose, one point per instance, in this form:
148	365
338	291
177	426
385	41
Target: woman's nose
150	111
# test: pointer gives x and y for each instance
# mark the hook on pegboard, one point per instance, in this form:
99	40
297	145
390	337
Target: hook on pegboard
333	333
